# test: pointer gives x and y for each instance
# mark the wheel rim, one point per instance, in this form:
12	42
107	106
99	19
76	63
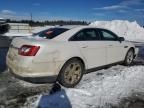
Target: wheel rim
72	73
130	57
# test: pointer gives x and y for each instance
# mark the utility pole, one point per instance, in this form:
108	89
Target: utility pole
31	19
31	16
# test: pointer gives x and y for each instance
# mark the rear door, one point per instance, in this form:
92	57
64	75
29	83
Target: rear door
114	48
93	50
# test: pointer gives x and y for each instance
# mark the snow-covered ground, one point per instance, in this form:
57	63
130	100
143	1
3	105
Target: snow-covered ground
130	30
17	34
113	85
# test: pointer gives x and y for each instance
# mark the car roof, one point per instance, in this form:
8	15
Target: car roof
66	35
67	26
87	26
73	27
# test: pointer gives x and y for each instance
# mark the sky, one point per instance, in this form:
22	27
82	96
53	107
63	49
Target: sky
87	10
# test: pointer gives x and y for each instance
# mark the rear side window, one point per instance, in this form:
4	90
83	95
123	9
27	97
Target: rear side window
51	33
86	35
108	35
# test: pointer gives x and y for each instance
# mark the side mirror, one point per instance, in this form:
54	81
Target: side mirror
121	39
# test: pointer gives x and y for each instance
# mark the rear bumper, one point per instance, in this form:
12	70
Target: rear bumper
35	72
37	80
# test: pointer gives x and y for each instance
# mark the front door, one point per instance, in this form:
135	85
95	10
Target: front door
114	48
93	50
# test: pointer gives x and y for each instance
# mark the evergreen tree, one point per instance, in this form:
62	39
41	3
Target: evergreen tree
47	22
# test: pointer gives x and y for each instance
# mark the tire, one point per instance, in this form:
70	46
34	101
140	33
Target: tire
71	73
129	57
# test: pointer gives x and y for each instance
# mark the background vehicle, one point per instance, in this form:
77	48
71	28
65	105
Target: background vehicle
65	57
4	27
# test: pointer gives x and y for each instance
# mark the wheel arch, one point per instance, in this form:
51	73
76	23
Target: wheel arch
125	60
132	48
79	58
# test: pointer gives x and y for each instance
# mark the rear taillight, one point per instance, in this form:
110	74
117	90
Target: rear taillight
28	50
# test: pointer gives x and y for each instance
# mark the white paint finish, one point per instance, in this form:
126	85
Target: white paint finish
93	51
115	51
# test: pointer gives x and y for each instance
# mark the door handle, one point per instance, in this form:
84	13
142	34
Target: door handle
84	46
110	45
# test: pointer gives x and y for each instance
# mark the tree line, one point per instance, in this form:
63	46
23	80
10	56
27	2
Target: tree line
44	23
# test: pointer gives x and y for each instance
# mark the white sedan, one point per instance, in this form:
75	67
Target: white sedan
64	55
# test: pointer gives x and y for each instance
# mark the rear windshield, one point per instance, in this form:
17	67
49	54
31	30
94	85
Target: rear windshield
51	33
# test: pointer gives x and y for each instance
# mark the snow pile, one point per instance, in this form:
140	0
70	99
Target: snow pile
130	30
108	88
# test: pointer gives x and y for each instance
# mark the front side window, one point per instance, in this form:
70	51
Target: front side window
86	35
107	35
